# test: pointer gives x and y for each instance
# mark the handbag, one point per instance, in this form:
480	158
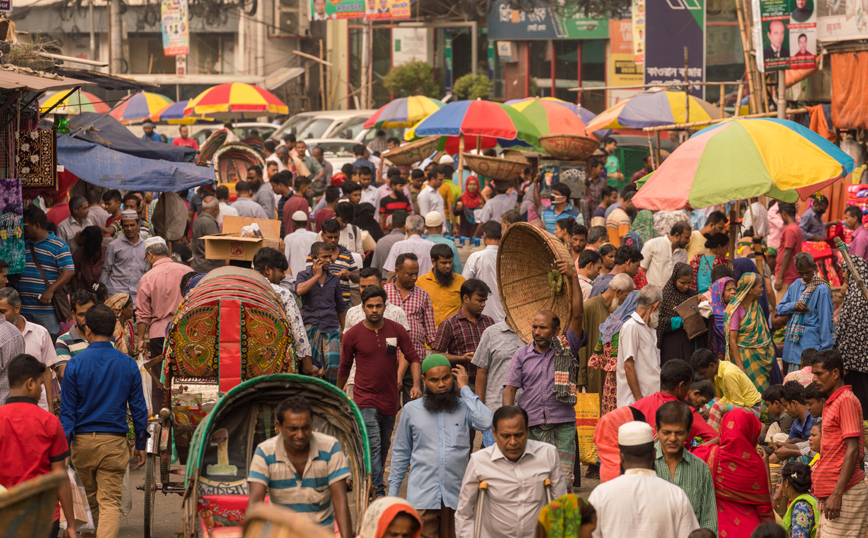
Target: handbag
60	299
587	416
694	323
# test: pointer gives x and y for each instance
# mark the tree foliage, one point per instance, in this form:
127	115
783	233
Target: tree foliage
412	78
472	87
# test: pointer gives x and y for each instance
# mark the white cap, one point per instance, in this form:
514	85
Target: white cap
299	216
155	240
446	159
424	164
634	434
433	218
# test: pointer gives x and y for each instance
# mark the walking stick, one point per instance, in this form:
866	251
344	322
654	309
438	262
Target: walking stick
548	487
844	252
480	501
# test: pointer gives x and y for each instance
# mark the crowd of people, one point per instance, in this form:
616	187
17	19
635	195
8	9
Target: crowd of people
730	391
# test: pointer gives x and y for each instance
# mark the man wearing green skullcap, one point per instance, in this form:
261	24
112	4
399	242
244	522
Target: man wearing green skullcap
433	438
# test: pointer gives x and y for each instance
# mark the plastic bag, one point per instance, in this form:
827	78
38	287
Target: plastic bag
83	515
587	416
146	384
126	495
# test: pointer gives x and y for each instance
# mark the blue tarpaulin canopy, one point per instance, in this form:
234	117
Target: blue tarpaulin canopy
109	132
116	170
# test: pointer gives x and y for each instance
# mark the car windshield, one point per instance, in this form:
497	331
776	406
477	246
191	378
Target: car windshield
337	149
260	132
293	125
315	129
350	128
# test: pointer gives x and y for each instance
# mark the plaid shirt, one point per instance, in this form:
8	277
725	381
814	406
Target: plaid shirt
457	335
420	313
692	476
11	345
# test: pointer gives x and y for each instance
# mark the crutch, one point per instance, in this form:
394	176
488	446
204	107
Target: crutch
548	487
480	501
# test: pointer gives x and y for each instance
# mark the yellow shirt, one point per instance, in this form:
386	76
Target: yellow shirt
734	386
448	193
617	226
446	301
696	245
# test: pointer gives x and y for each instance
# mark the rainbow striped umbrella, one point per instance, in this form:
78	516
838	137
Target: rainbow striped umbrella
743	158
139	107
403	112
235	100
492	123
550	117
76	103
654	108
174	115
583	113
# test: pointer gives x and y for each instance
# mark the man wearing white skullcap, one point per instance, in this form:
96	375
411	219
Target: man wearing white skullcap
125	258
638	503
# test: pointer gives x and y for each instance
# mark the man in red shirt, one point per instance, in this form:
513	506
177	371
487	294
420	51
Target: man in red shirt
791	244
34	443
184	140
838	478
373	345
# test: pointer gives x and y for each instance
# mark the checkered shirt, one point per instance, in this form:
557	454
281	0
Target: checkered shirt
457	335
420	313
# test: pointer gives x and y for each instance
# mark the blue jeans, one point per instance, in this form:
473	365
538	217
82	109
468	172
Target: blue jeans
487	438
47	320
380	439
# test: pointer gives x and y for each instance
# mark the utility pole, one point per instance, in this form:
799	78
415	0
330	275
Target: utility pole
782	95
116	44
92	37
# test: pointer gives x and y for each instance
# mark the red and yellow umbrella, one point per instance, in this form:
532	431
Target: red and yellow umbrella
235	101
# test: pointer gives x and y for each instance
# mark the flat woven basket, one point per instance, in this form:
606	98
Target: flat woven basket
526	256
418	150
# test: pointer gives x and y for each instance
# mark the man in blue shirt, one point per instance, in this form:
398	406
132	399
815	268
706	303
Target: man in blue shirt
98	385
361	154
806	309
560	207
150	134
793	397
812	225
433	438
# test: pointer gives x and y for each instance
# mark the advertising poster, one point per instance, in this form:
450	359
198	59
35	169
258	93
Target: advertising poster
379	10
669	27
841	20
507	24
785	34
623	70
176	27
638	23
6	6
408	45
323	10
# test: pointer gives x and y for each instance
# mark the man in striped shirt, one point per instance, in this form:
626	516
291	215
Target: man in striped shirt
72	342
36	286
303	470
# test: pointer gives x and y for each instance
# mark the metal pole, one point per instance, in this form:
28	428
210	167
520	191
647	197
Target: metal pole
92	36
364	78
116	39
686	88
474	48
782	95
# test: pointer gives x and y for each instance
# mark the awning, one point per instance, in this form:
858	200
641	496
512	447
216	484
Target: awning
104	80
116	170
109	132
15	80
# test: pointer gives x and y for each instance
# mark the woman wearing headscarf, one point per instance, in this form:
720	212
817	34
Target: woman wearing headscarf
367	221
125	333
749	344
851	337
722	293
569	516
702	264
605	355
672	339
466	204
740	475
391	516
740	266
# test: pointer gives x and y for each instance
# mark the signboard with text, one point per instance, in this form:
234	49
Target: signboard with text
785	34
623	70
507	24
323	10
638	24
841	21
176	27
671	26
380	10
408	45
6	6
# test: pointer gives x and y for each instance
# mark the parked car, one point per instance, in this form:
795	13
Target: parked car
353	129
243	130
335	150
320	125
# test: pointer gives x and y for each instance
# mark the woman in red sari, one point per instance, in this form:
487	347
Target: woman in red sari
740	475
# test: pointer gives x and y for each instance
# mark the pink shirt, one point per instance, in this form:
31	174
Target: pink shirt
159	295
776	227
859	243
737	316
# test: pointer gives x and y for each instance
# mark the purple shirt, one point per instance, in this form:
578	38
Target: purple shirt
321	305
859	243
535	373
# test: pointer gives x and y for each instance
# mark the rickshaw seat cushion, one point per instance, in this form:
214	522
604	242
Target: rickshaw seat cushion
224	508
227	532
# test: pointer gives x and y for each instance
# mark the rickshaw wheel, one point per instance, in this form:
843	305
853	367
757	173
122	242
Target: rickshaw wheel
151	466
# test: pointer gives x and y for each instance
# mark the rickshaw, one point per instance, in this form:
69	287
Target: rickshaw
216	495
229	329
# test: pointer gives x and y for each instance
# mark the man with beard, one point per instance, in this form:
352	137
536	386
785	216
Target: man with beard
433	438
262	192
443	285
546	370
124	263
596	310
638	372
373	347
812	225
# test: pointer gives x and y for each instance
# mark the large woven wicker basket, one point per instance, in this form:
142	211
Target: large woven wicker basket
496	168
418	150
526	256
28	508
569	147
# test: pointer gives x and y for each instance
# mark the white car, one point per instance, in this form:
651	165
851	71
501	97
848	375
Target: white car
244	131
336	151
320	125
